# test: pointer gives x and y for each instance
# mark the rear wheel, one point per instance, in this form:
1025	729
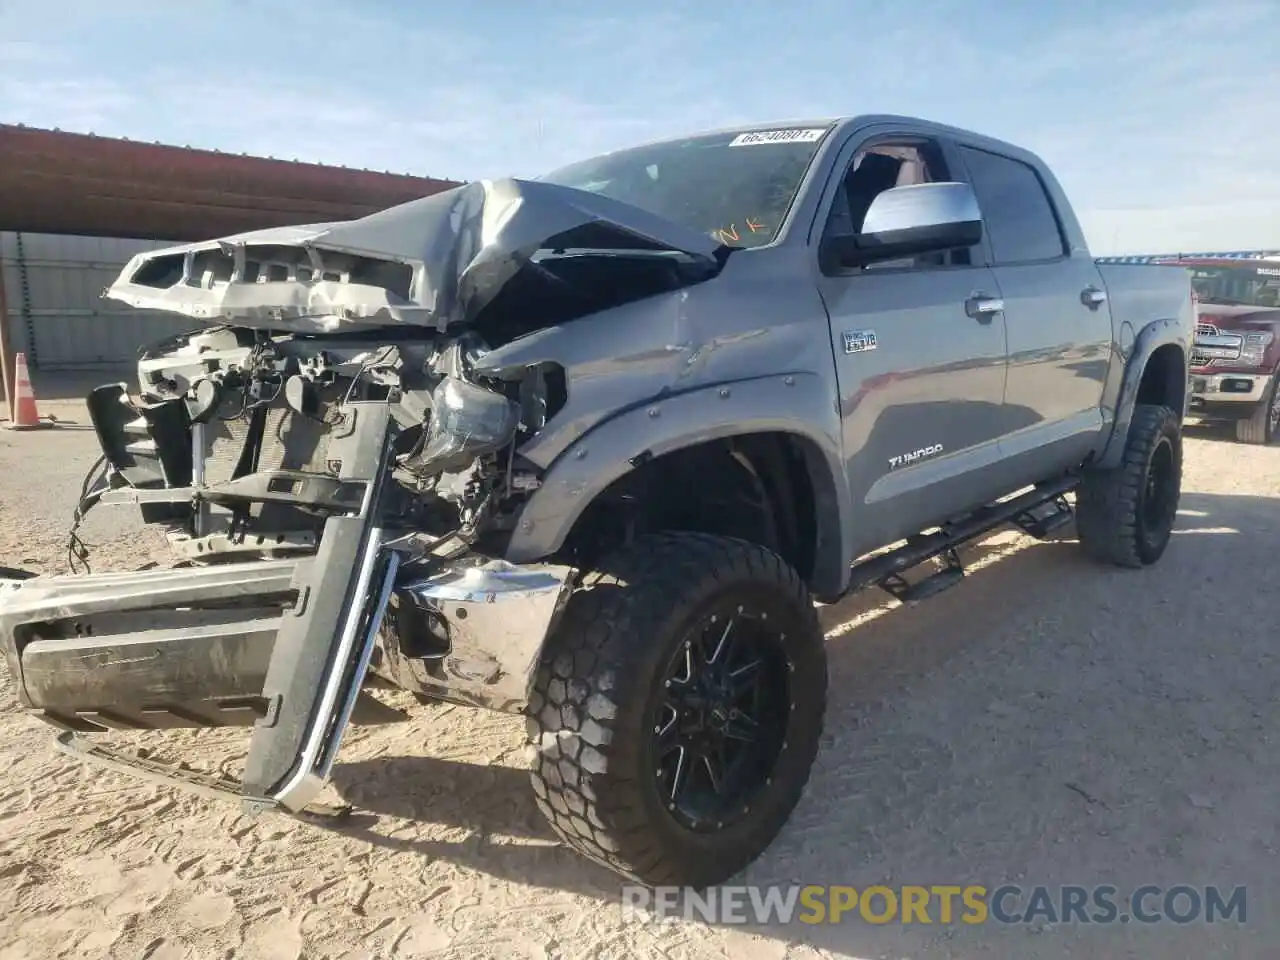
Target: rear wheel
1263	423
678	707
1125	516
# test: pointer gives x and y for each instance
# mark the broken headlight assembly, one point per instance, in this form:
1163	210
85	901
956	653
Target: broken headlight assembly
467	422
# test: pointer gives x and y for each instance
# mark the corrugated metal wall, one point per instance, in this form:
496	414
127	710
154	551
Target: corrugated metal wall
56	314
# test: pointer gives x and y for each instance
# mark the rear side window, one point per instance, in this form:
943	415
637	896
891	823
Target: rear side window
1016	210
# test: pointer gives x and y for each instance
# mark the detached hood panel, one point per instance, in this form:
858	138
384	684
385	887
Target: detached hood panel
434	262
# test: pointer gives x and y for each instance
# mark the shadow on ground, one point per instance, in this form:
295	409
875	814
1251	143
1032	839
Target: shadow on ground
1042	723
1218	431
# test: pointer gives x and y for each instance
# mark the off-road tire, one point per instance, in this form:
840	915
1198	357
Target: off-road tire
1113	522
590	715
1261	426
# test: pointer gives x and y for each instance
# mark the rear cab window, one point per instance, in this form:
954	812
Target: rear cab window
737	186
1017	212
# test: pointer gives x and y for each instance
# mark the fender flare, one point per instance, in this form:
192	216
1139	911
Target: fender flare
800	404
1169	331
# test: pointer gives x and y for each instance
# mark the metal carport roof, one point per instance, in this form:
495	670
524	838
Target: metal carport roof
56	182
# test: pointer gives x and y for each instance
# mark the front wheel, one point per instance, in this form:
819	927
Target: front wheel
677	709
1125	516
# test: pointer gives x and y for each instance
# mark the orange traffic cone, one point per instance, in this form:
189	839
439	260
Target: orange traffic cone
24	416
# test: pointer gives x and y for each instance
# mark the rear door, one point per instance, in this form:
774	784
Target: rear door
1056	316
920	362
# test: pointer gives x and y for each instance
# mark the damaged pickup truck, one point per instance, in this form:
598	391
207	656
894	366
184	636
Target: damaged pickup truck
588	448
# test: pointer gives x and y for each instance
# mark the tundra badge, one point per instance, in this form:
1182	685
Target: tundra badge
859	341
903	459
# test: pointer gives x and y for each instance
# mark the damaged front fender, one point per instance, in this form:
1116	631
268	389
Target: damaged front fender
795	404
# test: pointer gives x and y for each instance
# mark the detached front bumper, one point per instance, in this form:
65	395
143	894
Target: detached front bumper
150	650
284	645
279	645
1222	386
197	647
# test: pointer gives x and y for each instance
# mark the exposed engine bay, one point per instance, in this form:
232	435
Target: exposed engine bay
227	442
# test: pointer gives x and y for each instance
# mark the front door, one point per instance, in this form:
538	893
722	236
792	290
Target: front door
920	362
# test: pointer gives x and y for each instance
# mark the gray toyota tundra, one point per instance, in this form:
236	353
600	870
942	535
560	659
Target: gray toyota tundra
587	448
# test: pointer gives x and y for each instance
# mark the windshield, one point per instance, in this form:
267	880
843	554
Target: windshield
1248	285
735	186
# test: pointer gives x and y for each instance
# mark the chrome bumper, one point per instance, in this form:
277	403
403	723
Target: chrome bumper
1228	387
473	632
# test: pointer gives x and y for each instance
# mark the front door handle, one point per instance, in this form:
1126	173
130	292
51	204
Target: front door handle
1093	298
981	307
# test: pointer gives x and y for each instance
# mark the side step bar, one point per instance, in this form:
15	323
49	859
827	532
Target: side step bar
1038	512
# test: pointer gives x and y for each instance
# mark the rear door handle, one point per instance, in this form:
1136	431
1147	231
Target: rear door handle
981	307
1093	298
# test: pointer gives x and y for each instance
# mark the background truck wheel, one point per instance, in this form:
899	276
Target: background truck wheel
1125	516
677	708
1263	423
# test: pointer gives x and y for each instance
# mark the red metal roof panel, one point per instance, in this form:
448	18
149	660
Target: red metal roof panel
57	182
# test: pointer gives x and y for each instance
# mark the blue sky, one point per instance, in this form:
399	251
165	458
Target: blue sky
1162	119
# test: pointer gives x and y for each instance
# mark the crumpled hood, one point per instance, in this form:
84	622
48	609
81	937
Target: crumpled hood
432	262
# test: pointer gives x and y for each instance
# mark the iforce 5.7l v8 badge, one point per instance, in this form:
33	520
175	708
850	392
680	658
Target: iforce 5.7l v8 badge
859	341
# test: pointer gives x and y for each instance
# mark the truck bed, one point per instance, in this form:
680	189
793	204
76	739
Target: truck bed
1144	292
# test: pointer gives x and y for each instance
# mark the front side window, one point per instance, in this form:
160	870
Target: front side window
882	167
737	186
1016	211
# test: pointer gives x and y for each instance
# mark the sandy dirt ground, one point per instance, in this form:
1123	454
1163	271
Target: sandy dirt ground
1046	722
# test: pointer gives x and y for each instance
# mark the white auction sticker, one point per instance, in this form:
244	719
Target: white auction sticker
776	136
